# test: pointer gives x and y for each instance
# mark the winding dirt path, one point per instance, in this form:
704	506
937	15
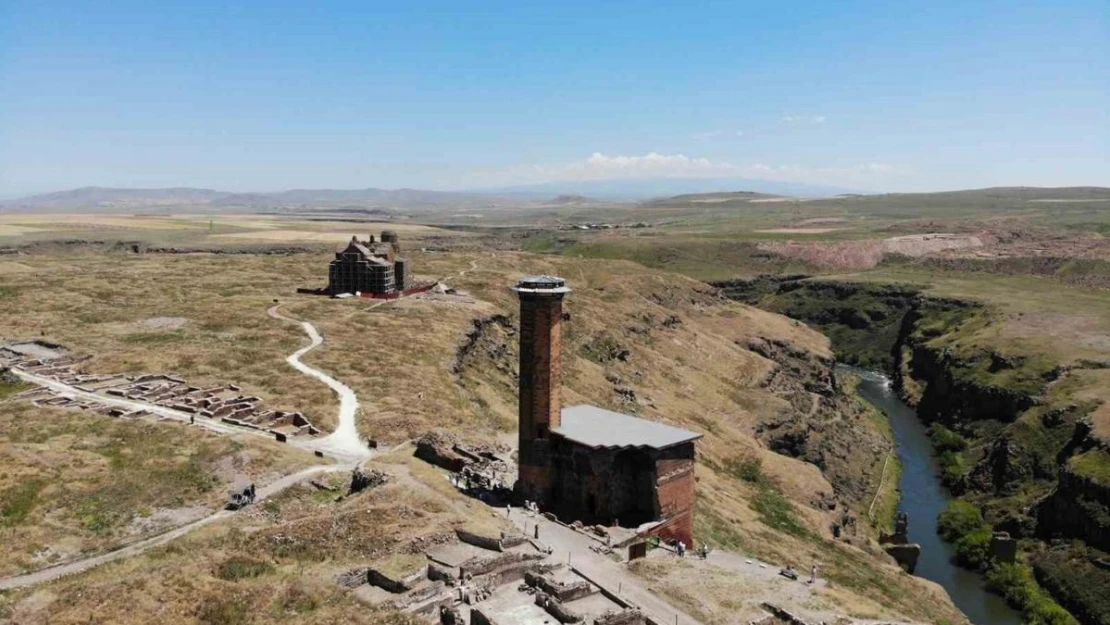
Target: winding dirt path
345	441
136	548
344	444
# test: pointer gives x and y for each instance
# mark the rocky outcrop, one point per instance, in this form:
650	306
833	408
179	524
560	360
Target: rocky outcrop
898	545
1003	469
821	425
905	555
863	320
1079	507
953	392
489	341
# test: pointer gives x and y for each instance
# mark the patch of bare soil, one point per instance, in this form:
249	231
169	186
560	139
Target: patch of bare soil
922	244
843	255
822	220
166	518
799	230
161	323
1084	331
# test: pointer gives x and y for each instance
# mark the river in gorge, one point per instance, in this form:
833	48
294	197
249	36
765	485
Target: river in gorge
923	498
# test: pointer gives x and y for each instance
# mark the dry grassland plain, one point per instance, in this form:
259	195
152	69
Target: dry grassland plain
688	363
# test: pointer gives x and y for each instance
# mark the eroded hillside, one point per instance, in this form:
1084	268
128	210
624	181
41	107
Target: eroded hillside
786	457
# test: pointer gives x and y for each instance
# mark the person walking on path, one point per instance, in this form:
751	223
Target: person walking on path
813	573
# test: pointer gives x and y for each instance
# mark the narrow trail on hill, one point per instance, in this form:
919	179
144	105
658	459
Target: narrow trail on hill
345	440
344	444
136	548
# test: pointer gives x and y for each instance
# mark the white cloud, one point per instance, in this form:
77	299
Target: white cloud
804	119
652	164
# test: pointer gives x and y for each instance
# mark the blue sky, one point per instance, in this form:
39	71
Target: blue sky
280	94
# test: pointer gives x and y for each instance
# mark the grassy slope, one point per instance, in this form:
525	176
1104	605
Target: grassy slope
72	483
690	373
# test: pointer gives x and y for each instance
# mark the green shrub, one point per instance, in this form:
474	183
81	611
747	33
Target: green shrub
1016	584
748	469
953	471
974	550
240	567
959	519
1075	582
16	502
945	439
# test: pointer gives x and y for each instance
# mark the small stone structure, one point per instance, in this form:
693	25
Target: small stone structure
898	545
362	480
480	579
1003	548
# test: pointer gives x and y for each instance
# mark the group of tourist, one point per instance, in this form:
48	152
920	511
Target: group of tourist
790	573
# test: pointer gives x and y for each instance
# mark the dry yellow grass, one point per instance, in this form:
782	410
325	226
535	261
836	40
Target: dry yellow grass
43	221
340	233
693	370
94	303
73	483
9	230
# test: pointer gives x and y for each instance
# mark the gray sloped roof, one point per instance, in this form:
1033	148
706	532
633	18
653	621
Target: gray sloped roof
598	427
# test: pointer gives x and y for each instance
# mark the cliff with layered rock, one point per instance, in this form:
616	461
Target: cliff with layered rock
1016	422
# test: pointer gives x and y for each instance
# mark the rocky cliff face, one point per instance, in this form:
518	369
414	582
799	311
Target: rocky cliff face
823	427
1029	460
863	320
1079	506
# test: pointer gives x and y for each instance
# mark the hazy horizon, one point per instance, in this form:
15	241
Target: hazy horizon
263	97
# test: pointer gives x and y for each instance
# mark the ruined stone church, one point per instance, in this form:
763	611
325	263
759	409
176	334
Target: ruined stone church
586	463
369	267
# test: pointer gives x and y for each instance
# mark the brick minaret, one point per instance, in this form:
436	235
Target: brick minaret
541	314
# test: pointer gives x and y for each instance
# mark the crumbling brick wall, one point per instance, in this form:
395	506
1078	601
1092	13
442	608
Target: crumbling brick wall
493	543
482	566
395	584
563	592
555	608
624	617
435	449
632	486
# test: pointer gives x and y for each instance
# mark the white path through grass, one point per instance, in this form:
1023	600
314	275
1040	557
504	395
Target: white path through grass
344	444
345	441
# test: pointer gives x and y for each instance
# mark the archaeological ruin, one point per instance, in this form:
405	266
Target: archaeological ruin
373	267
585	463
224	402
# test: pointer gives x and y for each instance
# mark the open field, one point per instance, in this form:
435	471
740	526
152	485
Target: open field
74	483
638	340
663	346
203	230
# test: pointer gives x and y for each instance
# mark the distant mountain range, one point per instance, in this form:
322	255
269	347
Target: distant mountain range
661	192
649	188
91	198
186	197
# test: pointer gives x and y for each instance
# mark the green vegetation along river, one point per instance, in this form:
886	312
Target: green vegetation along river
923	498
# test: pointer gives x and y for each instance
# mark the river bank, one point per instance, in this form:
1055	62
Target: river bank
923	499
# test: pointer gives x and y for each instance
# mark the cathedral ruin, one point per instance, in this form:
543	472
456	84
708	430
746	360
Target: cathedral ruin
373	267
586	463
